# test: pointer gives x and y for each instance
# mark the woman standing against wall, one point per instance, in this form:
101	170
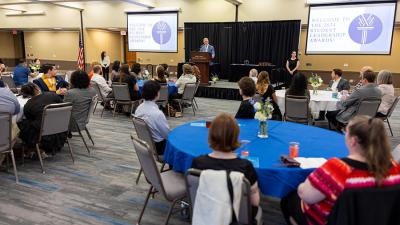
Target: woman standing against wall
105	64
292	65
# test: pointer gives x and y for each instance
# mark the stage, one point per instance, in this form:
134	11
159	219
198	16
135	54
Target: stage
223	89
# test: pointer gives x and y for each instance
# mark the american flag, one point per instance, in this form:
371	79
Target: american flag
81	57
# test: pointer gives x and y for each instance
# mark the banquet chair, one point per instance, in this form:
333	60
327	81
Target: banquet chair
192	178
68	75
188	96
354	206
55	120
6	141
170	184
163	99
143	133
89	111
102	99
389	114
9	82
194	97
296	109
123	97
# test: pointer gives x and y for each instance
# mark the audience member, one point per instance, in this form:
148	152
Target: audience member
196	72
49	81
253	74
186	78
101	82
115	69
93	64
338	84
360	83
80	95
369	164
8	102
223	138
2	67
160	72
105	64
165	69
126	77
350	104
385	84
22	73
247	89
137	71
33	112
267	92
298	86
153	116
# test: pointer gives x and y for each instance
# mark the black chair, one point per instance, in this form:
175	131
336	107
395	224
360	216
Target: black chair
296	109
6	141
389	114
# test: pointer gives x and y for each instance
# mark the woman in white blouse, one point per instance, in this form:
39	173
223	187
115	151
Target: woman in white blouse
385	84
105	64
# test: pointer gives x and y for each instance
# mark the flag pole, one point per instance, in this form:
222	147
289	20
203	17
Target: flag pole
83	40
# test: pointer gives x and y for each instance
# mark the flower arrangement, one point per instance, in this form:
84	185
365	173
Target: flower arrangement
263	113
315	82
215	78
34	67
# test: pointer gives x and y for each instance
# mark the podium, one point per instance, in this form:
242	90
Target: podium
202	60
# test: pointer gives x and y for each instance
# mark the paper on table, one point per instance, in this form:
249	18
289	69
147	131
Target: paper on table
306	163
198	124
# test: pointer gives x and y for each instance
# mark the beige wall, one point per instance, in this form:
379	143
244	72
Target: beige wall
97	41
7	45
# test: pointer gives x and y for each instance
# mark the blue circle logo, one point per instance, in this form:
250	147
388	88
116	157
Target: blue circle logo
365	28
161	32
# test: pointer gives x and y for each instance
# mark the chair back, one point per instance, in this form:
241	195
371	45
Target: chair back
391	109
192	178
121	92
68	75
354	206
163	93
148	164
296	108
97	88
189	91
144	134
91	108
9	82
5	131
55	119
368	107
62	75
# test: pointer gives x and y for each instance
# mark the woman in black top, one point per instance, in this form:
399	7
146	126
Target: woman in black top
223	137
292	65
160	75
125	77
247	89
33	111
267	91
298	86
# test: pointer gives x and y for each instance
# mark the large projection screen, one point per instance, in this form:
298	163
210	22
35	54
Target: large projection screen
153	31
360	29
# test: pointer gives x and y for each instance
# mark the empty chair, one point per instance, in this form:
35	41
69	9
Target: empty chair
192	178
101	98
9	82
122	97
163	99
6	141
188	96
296	109
389	114
170	184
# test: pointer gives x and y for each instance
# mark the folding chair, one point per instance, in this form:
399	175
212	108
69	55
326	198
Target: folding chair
163	99
188	97
123	97
6	142
389	114
297	109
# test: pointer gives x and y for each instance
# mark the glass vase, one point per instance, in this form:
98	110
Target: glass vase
315	91
263	129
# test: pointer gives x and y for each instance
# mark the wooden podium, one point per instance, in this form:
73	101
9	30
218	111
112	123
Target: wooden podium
202	60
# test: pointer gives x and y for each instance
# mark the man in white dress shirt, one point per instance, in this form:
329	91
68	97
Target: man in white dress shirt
100	81
206	47
153	116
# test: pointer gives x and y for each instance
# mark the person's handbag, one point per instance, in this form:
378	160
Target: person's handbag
230	189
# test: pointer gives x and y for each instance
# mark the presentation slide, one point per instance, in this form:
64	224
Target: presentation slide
153	32
343	1
351	29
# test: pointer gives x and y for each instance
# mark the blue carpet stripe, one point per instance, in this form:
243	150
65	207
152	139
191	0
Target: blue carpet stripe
98	217
36	184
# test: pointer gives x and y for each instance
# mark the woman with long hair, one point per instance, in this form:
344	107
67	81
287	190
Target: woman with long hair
298	86
160	75
292	65
115	69
105	64
267	91
369	164
385	84
126	77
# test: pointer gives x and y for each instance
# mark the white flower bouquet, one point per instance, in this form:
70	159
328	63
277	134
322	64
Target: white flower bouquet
315	82
263	113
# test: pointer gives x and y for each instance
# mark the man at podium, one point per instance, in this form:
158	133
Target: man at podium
207	48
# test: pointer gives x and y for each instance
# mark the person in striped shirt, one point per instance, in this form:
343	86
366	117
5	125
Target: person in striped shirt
369	164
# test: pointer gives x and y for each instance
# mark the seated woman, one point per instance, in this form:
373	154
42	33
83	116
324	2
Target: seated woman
369	164
125	77
137	71
267	91
385	84
247	89
80	95
33	112
196	72
298	87
115	69
223	138
186	78
160	75
50	82
253	74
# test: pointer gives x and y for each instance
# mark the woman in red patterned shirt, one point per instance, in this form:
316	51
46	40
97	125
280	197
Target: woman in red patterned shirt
369	164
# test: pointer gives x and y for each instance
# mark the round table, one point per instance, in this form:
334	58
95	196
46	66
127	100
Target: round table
171	87
190	140
322	101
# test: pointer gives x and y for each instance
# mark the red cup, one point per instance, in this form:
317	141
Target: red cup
293	149
245	153
208	124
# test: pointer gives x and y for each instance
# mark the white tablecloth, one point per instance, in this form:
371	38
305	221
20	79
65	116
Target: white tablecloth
22	101
322	101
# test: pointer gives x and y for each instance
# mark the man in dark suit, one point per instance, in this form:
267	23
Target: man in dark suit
206	47
337	83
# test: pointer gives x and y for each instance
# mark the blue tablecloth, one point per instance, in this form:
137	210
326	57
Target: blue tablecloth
171	87
190	140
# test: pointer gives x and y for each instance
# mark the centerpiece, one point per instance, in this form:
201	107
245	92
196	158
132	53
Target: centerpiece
263	113
214	78
315	81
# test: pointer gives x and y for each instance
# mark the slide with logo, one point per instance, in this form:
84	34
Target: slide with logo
351	29
153	32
